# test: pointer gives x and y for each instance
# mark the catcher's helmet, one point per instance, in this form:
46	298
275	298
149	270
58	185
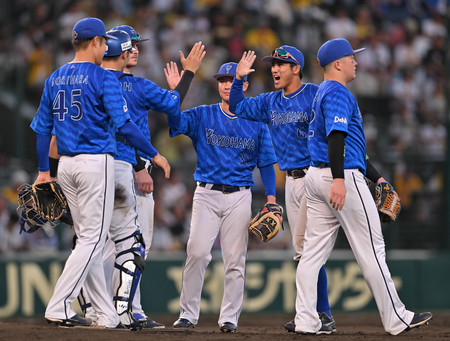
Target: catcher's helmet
135	36
29	218
115	47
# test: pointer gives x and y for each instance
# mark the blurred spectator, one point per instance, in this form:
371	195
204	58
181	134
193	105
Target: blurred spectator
402	72
18	178
10	239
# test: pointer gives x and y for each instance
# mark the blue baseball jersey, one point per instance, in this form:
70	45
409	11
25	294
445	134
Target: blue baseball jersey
335	108
82	104
142	95
288	117
228	148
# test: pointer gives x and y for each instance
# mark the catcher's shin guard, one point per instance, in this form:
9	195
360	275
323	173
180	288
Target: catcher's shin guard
129	266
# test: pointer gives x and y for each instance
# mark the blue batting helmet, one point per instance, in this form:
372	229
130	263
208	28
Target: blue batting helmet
135	36
115	47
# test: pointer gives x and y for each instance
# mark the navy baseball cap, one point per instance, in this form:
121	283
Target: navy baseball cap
135	37
334	49
227	70
288	54
89	28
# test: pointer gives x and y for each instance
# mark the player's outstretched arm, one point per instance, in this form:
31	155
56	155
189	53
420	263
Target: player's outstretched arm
244	67
194	59
160	161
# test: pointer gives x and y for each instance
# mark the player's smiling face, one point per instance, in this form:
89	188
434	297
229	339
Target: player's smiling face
283	75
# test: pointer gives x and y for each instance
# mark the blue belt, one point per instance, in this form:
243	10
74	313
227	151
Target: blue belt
224	188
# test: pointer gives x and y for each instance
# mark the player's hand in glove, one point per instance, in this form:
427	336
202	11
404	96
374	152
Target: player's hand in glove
49	200
267	222
160	161
387	202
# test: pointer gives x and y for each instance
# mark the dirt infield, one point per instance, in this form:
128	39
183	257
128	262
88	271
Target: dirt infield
351	327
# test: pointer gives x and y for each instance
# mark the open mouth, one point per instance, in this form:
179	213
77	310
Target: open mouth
277	78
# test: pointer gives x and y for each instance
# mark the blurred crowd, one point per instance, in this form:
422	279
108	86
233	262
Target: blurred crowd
400	83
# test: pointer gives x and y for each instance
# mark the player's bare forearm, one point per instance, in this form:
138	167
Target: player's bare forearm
193	61
173	77
43	176
271	199
161	161
338	192
244	66
144	181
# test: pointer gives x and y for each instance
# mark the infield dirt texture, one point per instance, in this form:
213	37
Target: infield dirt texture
350	327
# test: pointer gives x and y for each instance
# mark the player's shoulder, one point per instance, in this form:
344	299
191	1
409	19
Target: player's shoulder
311	87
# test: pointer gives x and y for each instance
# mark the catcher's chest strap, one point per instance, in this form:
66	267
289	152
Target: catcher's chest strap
225	189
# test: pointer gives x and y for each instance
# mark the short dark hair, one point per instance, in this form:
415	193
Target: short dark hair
301	71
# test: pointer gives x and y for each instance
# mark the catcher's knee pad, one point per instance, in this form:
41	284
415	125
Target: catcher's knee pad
129	266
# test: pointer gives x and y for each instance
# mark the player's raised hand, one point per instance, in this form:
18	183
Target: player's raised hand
173	77
244	66
144	181
161	161
194	59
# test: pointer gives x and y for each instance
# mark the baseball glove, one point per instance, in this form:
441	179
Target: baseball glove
387	202
267	222
49	200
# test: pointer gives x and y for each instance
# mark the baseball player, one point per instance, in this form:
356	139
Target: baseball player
141	95
337	195
287	111
84	104
228	149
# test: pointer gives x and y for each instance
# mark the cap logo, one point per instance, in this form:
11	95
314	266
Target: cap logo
75	35
228	68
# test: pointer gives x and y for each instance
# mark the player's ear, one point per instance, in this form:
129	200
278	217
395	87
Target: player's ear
245	86
296	69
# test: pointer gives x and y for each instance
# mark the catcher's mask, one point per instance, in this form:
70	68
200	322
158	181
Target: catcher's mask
29	218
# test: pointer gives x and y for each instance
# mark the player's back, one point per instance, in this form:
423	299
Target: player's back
335	108
85	105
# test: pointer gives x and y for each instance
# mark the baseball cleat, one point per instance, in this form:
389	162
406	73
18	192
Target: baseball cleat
290	326
328	324
183	323
151	324
71	322
228	327
147	322
419	319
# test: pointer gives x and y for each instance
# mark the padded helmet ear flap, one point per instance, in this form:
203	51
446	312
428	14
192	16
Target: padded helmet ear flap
29	218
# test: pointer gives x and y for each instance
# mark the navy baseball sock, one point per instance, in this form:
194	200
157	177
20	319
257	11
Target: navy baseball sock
323	306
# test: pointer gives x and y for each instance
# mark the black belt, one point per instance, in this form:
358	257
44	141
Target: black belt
297	173
224	188
323	165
